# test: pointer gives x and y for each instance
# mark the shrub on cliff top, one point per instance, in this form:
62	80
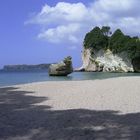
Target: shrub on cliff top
96	39
99	39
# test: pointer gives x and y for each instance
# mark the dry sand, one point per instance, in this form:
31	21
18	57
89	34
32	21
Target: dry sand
71	110
118	94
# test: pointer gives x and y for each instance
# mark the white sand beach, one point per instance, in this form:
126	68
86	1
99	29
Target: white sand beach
118	94
106	109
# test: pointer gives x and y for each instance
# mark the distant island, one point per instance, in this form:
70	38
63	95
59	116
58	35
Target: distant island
110	52
25	67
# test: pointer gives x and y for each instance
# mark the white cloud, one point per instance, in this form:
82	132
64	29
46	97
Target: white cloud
62	32
68	22
62	13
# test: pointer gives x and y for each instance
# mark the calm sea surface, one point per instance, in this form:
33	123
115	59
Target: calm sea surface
12	78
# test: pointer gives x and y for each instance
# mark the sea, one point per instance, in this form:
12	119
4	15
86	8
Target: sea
14	78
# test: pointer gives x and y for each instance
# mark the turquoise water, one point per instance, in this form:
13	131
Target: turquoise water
12	78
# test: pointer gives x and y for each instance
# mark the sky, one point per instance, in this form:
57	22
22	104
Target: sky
46	31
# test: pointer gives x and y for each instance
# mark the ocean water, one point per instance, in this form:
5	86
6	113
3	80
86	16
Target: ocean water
13	78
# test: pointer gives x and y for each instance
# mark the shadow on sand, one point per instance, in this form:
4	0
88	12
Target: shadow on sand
21	120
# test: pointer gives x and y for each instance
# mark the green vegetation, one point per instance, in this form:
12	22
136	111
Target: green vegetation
96	39
117	42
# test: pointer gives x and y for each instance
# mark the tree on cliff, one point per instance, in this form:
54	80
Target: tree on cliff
106	30
118	42
96	39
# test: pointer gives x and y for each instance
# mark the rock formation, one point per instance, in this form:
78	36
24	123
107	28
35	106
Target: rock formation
105	61
136	64
116	53
61	69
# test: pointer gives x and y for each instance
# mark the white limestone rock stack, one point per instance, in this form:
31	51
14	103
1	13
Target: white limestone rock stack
105	61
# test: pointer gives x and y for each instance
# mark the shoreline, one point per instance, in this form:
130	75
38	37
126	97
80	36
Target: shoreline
45	81
73	77
119	94
78	110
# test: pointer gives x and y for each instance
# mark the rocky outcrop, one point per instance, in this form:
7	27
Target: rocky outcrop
110	52
106	61
61	69
136	64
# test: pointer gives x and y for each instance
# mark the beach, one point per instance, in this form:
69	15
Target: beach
120	94
71	110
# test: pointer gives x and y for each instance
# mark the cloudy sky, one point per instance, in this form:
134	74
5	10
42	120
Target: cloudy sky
45	31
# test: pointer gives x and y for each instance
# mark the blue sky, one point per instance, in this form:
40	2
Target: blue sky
45	31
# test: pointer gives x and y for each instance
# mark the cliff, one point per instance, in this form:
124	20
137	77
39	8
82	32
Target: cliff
116	53
25	67
136	64
106	61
